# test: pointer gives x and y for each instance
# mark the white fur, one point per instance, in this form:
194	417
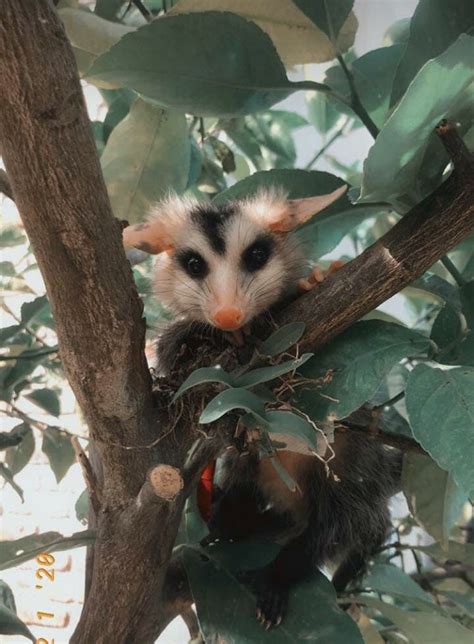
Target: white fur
226	283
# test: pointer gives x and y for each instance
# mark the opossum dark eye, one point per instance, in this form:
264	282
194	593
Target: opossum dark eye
257	255
194	265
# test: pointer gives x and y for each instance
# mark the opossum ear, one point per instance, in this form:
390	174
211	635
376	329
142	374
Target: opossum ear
167	223
151	237
299	211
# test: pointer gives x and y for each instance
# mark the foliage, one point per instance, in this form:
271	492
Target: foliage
186	107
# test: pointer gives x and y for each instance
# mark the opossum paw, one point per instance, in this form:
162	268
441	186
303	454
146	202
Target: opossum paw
317	276
272	603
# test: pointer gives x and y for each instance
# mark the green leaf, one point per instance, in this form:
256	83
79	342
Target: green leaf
10	623
440	288
440	404
385	578
242	555
7	269
453	551
200	63
274	137
296	183
464	601
11	377
14	553
325	231
81	507
147	154
58	448
7	475
322	235
329	16
433	497
422	626
322	112
11	236
195	527
407	157
296	38
282	339
226	608
17	457
357	361
229	400
204	375
90	35
30	310
373	74
108	8
9	332
398	32
288	424
264	374
435	25
289	120
47	399
447	333
118	110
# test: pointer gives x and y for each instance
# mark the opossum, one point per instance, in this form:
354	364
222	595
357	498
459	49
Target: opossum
223	265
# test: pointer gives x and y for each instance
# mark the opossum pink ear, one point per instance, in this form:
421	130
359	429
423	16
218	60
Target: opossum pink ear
299	211
151	237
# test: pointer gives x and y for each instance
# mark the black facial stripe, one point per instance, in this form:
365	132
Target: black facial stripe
192	263
211	220
257	254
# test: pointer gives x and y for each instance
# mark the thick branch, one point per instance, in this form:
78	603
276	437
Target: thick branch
54	172
414	244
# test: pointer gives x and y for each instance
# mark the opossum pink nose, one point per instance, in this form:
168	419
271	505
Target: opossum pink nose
228	318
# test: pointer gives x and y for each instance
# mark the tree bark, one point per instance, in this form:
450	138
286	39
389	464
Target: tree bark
55	177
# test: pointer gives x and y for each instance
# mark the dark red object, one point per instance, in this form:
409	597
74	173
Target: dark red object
204	491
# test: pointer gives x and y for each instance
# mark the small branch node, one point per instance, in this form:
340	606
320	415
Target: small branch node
459	154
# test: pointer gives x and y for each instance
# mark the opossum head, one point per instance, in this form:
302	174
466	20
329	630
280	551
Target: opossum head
225	263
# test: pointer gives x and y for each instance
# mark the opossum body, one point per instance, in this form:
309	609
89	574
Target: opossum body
223	265
340	517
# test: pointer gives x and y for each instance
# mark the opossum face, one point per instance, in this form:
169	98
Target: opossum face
224	264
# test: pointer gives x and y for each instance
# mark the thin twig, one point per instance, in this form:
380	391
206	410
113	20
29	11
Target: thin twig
38	338
327	145
392	401
95	493
27	355
202	130
453	271
37	423
146	13
356	103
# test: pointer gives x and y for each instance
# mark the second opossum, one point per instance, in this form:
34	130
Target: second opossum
223	265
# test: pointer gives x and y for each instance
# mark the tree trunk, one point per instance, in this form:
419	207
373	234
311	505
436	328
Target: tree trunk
55	178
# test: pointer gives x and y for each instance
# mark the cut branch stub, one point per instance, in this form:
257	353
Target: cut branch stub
164	482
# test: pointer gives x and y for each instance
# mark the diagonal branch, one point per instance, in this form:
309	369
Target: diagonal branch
404	253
